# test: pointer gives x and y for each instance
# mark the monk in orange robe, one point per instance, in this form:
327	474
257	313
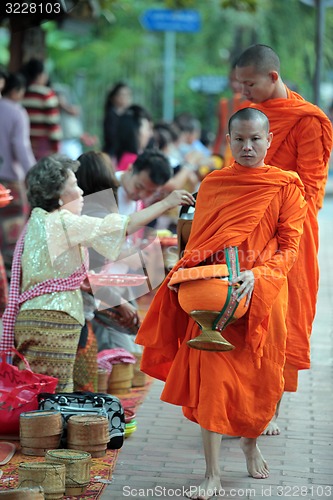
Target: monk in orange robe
260	209
302	143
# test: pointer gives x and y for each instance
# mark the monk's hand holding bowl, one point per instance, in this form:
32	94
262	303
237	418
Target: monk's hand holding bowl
245	285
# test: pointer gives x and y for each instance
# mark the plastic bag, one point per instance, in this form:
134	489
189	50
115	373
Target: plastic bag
18	392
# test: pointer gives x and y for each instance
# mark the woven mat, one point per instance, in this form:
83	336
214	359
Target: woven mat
136	395
101	468
101	473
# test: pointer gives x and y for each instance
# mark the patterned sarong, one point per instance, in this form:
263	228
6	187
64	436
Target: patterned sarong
48	340
85	367
3	287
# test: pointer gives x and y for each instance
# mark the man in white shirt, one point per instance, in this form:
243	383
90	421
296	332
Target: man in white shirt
149	172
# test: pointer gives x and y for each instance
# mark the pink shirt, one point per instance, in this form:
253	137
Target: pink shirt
126	160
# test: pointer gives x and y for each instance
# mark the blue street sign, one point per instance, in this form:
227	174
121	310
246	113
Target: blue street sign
208	84
171	20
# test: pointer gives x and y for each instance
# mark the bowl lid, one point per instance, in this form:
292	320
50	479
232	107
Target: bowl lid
200	272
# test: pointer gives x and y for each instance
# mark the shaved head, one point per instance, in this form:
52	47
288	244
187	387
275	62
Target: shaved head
249	114
261	57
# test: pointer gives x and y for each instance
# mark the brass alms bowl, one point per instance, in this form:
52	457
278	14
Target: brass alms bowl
206	296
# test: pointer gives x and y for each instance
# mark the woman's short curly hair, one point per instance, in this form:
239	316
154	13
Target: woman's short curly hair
46	179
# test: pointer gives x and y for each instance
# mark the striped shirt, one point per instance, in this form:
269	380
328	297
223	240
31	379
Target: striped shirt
42	105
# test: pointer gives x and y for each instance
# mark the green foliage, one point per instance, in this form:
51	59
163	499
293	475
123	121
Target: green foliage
101	53
240	5
180	4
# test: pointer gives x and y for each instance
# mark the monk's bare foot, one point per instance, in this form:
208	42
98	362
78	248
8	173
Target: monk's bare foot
256	465
272	429
209	488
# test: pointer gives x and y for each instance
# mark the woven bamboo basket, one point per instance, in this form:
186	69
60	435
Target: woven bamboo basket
36	493
88	433
102	380
139	378
40	430
50	476
120	379
77	464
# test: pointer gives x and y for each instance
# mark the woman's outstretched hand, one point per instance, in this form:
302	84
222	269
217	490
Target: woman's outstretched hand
179	197
128	314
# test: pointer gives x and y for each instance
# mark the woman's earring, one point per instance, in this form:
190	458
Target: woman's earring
60	203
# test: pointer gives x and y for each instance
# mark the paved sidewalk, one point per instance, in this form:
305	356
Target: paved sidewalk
164	454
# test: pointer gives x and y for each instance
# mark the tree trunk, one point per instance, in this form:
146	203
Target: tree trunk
25	44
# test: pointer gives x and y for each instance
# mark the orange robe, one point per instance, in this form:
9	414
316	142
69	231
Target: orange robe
261	211
302	142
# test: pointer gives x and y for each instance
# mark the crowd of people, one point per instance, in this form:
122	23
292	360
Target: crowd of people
274	148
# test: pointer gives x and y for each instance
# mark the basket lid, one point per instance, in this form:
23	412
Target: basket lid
26	490
7	451
39	413
41	465
67	454
88	419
